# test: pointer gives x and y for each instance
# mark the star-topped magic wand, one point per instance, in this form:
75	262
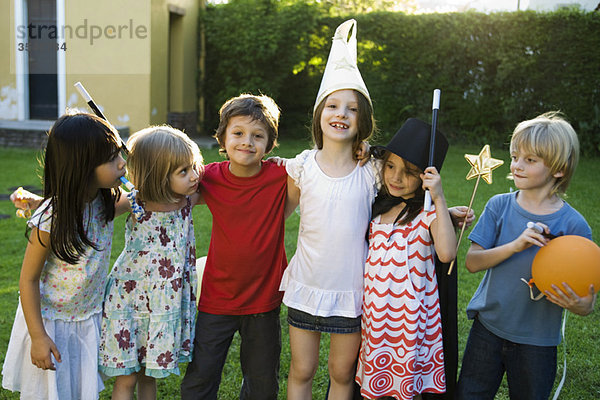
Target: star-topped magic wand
482	166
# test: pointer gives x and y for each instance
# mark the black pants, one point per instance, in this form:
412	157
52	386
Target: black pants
259	355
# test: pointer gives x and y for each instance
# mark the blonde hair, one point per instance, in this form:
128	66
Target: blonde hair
155	153
550	137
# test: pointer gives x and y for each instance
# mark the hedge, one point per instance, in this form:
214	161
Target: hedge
494	70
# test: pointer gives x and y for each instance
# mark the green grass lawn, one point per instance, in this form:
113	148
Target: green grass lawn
19	167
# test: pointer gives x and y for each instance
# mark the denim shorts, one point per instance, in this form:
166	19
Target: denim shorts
301	320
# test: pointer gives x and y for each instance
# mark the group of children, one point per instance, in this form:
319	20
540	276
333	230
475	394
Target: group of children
363	270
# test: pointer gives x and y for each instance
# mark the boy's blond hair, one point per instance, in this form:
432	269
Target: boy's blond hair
155	153
550	137
260	108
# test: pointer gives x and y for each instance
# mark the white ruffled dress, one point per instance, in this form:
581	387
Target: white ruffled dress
325	276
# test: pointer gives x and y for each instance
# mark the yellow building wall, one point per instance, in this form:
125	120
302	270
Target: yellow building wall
184	60
174	71
115	67
8	84
135	79
159	53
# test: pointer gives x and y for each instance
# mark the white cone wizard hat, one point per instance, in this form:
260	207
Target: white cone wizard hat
341	71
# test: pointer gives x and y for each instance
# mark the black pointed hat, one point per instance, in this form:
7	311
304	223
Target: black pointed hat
411	142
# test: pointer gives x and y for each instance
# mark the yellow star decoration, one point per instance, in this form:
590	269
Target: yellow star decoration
482	164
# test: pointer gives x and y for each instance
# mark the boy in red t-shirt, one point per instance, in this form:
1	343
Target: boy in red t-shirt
246	256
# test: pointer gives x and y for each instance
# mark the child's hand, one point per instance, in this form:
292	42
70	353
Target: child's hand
41	349
278	160
569	300
363	154
432	182
528	238
25	201
458	216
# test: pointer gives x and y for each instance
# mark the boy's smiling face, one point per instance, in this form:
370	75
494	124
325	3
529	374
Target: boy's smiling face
246	144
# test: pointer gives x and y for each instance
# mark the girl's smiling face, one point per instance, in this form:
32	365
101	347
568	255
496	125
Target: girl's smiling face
400	177
339	119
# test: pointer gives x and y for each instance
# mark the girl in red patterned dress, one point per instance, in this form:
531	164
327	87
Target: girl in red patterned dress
401	353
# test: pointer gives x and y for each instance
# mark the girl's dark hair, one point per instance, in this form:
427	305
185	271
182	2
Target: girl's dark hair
385	201
77	144
366	122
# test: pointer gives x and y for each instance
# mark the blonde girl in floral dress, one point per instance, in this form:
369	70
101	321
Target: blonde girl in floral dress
149	306
53	348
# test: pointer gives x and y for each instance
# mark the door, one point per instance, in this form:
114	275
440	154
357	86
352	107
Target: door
42	31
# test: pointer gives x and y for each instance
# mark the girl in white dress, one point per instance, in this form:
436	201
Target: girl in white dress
401	353
323	282
53	348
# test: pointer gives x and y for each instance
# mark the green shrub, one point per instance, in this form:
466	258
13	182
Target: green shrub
494	70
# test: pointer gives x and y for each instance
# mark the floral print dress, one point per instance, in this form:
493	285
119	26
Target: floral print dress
150	302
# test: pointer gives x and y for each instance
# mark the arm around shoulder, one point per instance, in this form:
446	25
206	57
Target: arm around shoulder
292	198
122	205
197	198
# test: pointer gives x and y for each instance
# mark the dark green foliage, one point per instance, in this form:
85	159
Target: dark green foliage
255	46
494	70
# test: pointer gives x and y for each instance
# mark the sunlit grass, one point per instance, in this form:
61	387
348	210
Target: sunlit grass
18	167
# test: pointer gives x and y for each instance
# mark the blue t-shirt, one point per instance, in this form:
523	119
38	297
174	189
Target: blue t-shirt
502	302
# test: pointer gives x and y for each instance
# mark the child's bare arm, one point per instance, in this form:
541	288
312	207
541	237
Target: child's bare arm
122	205
292	198
42	345
443	233
442	230
569	300
197	198
480	259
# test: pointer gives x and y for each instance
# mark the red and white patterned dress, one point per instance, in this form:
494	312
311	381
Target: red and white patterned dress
401	352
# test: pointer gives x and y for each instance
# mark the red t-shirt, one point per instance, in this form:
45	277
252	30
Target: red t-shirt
246	256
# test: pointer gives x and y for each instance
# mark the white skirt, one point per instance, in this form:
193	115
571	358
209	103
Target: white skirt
76	377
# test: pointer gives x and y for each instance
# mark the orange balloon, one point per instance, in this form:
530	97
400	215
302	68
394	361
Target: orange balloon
571	259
